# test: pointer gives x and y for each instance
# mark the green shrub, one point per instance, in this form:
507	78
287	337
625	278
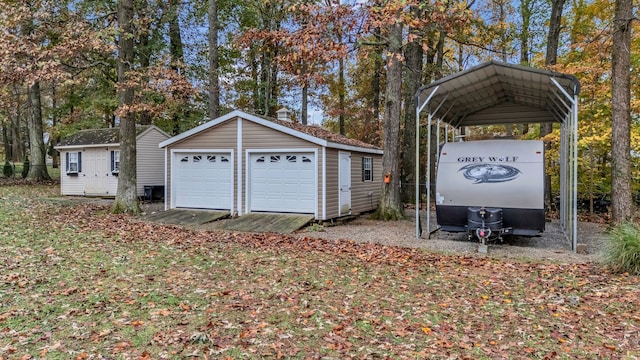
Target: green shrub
7	170
25	168
622	251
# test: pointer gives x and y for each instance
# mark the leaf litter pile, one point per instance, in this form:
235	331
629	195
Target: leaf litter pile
80	283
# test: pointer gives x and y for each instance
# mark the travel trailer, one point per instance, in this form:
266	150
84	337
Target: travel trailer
491	188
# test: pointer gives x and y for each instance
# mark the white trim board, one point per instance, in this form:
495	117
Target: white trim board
268	124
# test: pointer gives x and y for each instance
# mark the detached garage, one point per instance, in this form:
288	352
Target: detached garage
247	163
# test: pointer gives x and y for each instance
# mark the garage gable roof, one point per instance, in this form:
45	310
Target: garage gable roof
101	137
311	133
500	93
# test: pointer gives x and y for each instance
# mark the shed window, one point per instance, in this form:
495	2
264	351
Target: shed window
74	162
367	169
115	161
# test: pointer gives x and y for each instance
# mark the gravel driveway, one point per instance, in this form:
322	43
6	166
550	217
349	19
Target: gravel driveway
551	245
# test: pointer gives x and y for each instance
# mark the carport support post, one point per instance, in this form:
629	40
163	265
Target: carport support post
570	210
417	171
419	108
428	182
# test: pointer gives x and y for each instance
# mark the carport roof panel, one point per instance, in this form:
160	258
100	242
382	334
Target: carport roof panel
499	93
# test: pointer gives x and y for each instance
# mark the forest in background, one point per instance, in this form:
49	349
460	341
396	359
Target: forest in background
359	63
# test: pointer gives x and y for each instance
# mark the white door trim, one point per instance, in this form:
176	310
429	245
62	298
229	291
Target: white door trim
239	169
247	182
191	151
324	183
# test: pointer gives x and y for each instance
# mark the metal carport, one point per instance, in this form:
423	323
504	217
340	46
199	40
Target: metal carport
500	93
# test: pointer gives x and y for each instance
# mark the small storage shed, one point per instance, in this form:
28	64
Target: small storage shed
248	163
91	161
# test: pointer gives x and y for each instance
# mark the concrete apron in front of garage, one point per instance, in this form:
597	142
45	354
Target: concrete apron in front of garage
186	216
266	222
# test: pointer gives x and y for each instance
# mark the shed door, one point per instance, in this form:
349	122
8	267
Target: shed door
203	180
283	182
96	170
344	176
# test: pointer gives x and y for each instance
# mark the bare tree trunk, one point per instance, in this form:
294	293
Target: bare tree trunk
304	108
37	148
341	94
553	38
621	111
305	103
273	85
214	64
176	50
5	141
126	196
376	82
17	146
54	122
438	60
144	54
525	13
526	9
412	80
391	207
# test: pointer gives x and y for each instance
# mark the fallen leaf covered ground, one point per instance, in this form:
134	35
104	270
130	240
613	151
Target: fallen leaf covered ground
80	283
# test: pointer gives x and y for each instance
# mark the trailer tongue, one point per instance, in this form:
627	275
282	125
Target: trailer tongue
491	188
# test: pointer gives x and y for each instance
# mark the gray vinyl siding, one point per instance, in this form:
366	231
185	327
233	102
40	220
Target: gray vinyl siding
333	194
149	160
222	136
256	136
360	200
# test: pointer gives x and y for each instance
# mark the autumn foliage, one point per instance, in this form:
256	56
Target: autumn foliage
83	283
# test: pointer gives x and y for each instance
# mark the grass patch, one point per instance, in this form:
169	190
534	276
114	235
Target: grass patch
622	250
80	282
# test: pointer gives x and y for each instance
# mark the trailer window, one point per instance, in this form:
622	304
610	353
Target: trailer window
367	169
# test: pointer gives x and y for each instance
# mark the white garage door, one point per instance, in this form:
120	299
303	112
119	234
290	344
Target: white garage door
203	180
283	182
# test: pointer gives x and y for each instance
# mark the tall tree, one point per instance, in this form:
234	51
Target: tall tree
214	63
391	206
37	147
144	55
308	44
621	111
551	57
126	196
413	54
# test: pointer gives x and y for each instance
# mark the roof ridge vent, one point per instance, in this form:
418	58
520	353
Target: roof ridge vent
284	114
